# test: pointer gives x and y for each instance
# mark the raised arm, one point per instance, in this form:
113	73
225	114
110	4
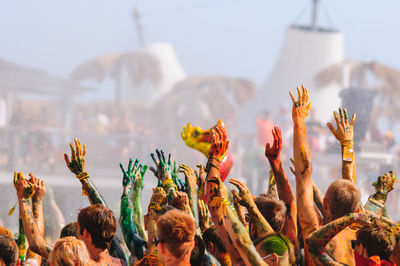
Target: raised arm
39	190
77	166
307	214
284	190
344	134
317	241
261	226
35	238
157	201
130	219
191	186
233	234
383	185
163	172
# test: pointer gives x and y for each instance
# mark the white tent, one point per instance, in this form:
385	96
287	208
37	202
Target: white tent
304	53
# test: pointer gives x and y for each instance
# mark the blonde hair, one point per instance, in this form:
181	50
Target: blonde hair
69	251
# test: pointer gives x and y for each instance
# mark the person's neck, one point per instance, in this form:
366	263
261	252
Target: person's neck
173	261
98	254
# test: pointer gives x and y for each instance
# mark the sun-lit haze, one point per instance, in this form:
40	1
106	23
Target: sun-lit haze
125	76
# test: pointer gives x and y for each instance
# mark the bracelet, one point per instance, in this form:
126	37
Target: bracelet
346	142
82	176
155	206
168	183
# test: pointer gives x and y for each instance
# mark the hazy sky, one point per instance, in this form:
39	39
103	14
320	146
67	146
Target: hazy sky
235	38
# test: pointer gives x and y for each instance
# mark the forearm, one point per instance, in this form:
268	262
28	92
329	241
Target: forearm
286	195
282	183
303	169
213	192
301	152
260	224
348	161
35	238
129	229
240	211
317	241
139	221
21	241
240	238
91	191
318	198
37	208
192	194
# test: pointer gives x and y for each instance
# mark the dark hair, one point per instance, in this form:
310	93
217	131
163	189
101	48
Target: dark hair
343	198
8	250
175	230
378	238
100	222
197	256
211	235
273	210
69	230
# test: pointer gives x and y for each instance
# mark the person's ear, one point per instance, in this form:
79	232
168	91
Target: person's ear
272	259
209	246
87	235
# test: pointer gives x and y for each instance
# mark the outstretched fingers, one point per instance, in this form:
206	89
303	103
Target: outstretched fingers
353	119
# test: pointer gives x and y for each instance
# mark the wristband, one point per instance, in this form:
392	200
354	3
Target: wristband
82	176
347	143
168	183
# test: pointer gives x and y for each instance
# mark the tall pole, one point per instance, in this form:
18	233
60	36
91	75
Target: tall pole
138	21
314	15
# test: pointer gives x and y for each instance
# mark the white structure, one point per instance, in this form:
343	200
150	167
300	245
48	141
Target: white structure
148	92
304	53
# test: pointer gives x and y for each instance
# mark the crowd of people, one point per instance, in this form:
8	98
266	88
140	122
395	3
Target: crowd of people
199	222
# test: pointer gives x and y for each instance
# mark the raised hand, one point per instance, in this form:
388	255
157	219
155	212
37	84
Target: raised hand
219	144
77	163
344	131
174	173
385	183
273	152
190	176
301	107
22	186
39	189
180	200
163	167
244	197
158	199
204	217
133	178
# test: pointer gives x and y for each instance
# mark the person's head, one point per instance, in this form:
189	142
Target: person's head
198	252
69	251
341	198
375	239
176	231
214	243
273	210
69	230
8	251
97	226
